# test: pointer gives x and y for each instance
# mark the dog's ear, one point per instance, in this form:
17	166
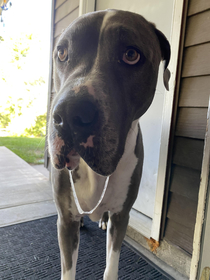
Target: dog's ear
166	54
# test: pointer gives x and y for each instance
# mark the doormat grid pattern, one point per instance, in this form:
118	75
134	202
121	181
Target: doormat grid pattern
30	251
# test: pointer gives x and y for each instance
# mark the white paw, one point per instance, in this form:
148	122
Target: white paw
102	224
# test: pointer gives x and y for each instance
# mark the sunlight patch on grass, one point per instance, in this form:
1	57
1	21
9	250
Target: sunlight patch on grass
29	149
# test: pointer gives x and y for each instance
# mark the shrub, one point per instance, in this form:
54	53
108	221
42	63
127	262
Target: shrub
39	129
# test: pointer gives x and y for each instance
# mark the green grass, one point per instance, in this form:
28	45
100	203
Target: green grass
29	149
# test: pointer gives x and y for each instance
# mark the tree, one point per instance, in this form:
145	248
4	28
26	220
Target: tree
22	83
39	129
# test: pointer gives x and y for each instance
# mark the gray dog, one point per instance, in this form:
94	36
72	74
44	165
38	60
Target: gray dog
105	73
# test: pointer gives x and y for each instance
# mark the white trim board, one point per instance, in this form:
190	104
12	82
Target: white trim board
166	121
140	223
86	6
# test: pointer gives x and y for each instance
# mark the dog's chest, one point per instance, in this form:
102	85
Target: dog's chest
117	191
89	185
89	191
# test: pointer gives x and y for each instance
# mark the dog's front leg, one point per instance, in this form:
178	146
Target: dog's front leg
116	230
68	238
67	225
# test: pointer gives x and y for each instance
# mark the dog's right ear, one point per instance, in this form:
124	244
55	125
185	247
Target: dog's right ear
166	54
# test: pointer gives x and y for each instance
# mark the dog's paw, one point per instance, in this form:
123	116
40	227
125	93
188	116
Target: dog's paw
102	225
103	221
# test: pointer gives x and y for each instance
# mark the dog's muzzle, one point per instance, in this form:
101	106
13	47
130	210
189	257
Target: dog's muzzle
75	121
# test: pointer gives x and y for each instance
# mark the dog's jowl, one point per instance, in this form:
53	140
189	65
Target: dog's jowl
105	73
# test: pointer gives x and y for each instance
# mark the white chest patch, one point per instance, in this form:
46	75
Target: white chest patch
90	185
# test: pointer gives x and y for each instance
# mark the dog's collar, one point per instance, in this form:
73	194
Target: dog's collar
77	201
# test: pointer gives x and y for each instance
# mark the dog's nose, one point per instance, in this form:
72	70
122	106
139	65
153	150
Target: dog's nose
84	114
78	114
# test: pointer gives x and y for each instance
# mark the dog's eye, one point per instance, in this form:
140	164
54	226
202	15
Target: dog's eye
62	54
131	56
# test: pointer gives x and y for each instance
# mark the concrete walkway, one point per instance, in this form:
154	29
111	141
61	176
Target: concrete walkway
25	193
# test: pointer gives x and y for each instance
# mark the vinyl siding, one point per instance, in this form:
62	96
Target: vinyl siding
191	120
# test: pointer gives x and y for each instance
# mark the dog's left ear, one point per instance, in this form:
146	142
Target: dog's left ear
166	54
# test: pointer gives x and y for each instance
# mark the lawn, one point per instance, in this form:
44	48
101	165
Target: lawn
29	149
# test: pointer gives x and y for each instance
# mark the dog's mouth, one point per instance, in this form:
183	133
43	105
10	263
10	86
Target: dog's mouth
72	160
101	158
63	155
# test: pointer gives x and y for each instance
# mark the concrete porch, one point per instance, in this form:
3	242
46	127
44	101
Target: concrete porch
26	193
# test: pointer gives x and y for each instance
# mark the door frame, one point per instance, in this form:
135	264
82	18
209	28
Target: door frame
153	231
86	6
167	117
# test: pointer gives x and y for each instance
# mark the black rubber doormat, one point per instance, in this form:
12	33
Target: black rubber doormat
30	251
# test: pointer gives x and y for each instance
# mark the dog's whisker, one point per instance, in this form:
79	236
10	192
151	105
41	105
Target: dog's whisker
41	141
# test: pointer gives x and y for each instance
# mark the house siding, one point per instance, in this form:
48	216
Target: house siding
191	119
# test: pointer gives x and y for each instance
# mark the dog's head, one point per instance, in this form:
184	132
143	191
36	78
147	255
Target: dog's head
105	73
